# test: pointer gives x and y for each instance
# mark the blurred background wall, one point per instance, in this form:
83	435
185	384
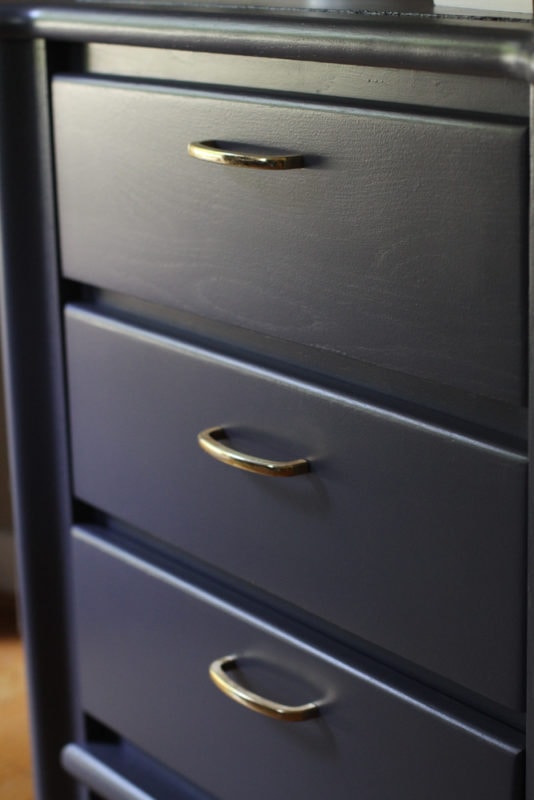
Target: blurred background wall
7	557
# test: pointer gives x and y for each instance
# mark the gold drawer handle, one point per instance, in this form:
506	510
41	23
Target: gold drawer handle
219	676
210	151
210	441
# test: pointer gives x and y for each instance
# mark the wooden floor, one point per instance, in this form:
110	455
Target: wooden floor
15	772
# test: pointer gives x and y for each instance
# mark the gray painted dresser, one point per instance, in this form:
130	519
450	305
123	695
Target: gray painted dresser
266	321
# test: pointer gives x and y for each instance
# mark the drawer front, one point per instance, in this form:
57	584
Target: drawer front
403	534
398	244
371	740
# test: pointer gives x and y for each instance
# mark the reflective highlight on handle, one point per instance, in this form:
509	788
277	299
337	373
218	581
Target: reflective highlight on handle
210	151
219	674
210	440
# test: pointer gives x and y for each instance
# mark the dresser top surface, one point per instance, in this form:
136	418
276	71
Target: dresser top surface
370	33
355	8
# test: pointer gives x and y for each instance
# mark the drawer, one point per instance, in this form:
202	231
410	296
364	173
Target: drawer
120	771
406	535
146	641
399	243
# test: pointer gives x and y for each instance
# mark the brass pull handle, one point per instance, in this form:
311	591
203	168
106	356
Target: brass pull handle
255	702
210	441
211	151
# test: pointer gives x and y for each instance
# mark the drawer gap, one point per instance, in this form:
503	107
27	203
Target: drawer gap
501	424
328	102
115	769
295	621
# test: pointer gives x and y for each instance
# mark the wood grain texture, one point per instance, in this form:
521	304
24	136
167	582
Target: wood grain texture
15	767
420	531
371	739
400	244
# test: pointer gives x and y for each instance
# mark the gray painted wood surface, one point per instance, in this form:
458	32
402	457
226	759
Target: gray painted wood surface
146	641
399	244
470	93
31	296
404	534
121	771
35	406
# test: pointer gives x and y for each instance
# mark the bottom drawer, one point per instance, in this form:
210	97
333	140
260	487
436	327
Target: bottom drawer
122	772
146	640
